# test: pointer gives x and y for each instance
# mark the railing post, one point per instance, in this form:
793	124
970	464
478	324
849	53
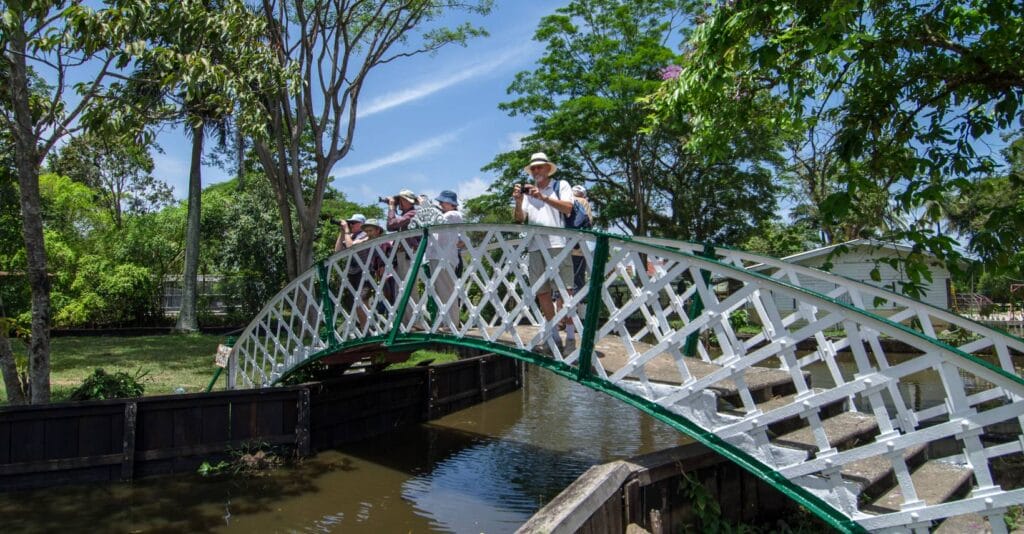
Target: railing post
697	305
326	304
128	441
594	306
410	284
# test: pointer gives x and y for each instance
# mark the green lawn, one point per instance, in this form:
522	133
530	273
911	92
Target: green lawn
170	361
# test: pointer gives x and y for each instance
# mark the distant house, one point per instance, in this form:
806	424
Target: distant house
208	292
857	263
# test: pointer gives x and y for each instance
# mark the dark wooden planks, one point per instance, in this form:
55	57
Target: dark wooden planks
106	440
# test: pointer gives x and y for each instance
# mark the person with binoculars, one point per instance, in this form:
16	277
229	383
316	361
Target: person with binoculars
539	204
401	211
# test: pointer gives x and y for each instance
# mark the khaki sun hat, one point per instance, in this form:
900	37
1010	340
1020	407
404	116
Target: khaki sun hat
539	158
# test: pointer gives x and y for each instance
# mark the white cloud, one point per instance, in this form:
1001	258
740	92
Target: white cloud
471	188
512	141
441	81
414	151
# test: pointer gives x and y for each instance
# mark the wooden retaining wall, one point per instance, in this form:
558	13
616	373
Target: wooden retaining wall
651	492
122	439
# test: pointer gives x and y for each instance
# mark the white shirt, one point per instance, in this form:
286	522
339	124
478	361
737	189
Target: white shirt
443	245
543	214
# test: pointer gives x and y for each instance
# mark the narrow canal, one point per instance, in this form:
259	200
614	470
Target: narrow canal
484	469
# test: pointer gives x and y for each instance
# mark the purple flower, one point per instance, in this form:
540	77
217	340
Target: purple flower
670	72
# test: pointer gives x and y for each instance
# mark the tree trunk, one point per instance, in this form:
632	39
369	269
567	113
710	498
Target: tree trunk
16	394
187	320
240	156
26	157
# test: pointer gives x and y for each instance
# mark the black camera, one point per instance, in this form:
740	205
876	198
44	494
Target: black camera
330	219
385	200
527	188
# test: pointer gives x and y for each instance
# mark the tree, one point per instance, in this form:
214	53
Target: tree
74	46
990	213
119	172
602	57
780	240
46	34
226	38
913	87
334	45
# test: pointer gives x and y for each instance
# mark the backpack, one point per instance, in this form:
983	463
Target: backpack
577	218
426	215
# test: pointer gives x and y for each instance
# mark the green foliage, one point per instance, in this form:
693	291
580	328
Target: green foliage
1014	518
107	293
904	94
780	240
253	458
118	174
601	57
102	385
739	319
311	372
421	357
495	208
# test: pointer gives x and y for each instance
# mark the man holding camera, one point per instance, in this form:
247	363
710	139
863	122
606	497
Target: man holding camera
538	204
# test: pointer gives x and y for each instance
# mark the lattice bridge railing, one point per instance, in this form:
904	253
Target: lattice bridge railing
856	416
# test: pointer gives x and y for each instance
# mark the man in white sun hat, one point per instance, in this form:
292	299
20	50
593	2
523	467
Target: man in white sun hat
442	257
539	204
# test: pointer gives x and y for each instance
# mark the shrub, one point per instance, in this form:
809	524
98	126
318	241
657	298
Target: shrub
101	385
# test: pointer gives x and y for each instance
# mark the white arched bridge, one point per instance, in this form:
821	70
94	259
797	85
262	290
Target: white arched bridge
869	421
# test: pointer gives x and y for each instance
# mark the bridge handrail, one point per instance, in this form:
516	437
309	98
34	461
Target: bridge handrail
309	304
759	260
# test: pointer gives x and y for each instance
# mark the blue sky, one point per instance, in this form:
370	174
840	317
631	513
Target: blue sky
427	123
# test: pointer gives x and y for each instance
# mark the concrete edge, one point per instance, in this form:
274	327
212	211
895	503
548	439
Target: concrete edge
568	511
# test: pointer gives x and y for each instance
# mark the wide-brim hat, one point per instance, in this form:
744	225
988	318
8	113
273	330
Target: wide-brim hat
357	218
408	195
448	196
541	158
374	223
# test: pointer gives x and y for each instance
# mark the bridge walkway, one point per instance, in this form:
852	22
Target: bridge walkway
862	445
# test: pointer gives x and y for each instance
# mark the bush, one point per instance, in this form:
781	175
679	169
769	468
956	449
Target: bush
101	385
739	319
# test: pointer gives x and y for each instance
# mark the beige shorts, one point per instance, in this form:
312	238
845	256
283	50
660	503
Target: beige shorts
537	268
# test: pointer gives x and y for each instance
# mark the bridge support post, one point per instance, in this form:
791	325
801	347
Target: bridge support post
326	304
594	307
410	283
697	305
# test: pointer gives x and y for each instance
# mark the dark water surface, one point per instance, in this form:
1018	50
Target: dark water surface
484	469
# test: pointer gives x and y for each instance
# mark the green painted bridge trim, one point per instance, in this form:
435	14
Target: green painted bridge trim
836	302
396	340
813	503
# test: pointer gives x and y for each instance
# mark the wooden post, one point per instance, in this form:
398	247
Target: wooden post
302	424
632	507
430	393
481	374
128	443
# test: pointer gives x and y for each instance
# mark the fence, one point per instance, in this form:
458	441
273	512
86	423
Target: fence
123	439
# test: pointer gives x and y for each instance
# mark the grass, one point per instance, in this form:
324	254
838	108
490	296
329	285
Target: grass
423	355
169	361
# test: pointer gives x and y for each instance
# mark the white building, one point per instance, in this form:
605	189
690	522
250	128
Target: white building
862	256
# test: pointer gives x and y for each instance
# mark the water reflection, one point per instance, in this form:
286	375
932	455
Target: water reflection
484	469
